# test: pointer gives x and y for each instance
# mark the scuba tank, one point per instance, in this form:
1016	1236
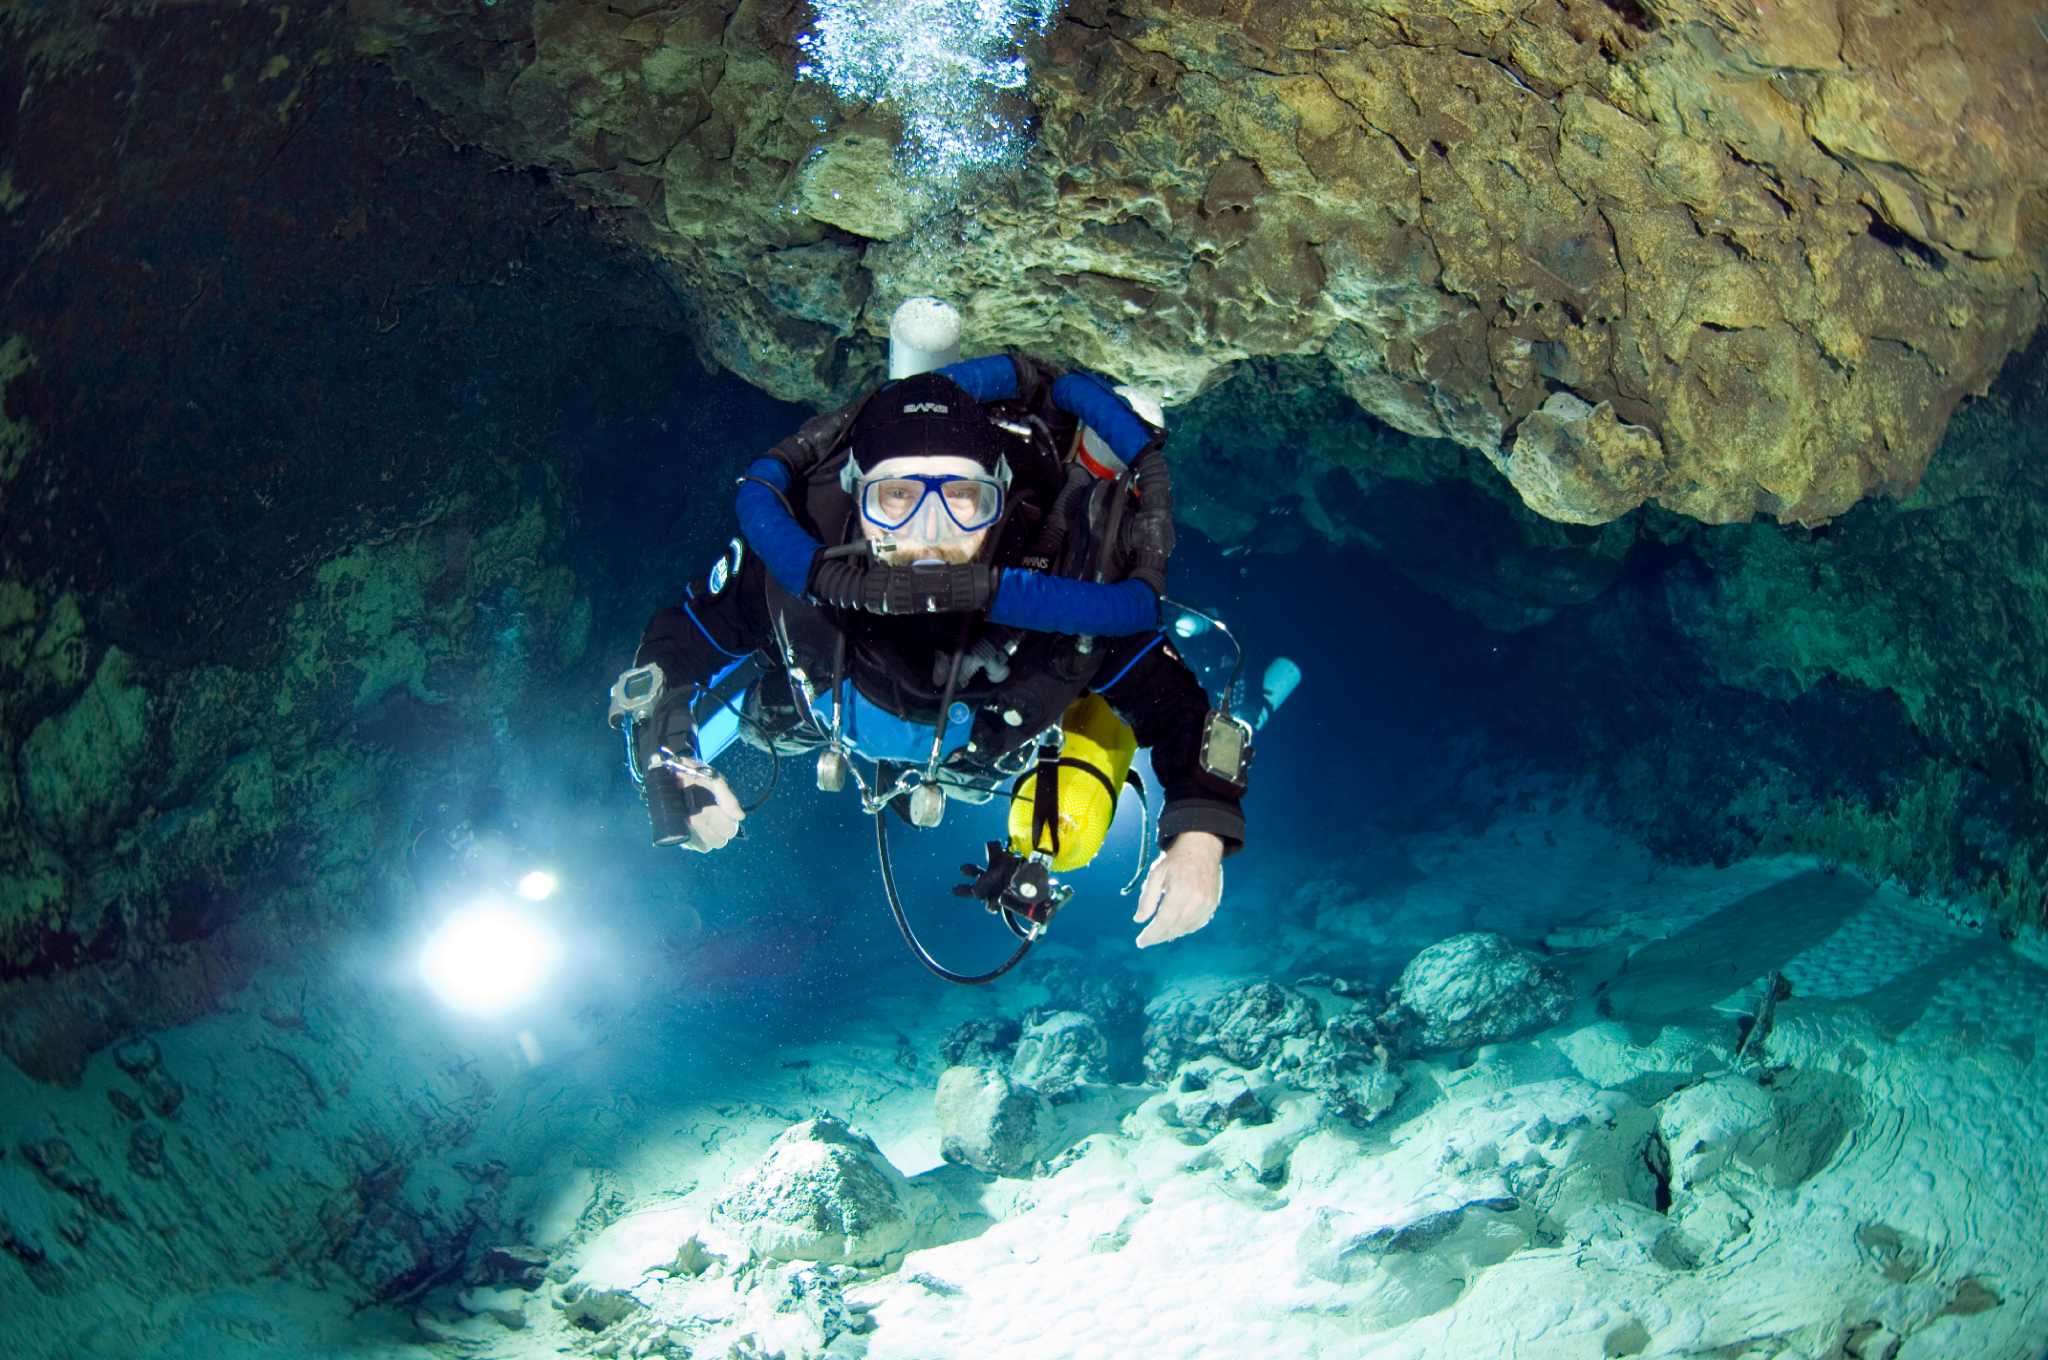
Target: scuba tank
924	334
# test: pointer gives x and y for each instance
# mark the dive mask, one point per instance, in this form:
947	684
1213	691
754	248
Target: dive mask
969	504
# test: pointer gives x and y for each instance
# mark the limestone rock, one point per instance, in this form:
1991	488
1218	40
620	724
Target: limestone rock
981	1043
1627	1236
1476	988
1581	463
1350	1065
1245	1024
1779	256
821	1193
990	1123
1779	1135
1110	996
595	1310
1107	994
1260	1150
1059	1051
797	1312
1280	1030
1210	1095
1605	1054
1556	1147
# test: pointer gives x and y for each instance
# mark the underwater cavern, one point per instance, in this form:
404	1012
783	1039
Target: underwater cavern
1023	679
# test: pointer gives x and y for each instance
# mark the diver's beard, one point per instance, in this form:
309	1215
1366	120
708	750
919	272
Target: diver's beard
954	553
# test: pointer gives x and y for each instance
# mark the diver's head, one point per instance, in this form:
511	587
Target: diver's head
927	472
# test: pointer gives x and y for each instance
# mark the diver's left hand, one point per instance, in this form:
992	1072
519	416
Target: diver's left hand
1182	889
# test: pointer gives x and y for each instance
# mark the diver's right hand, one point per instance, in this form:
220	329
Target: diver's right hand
715	814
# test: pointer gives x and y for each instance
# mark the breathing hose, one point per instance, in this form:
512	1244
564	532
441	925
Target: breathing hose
924	957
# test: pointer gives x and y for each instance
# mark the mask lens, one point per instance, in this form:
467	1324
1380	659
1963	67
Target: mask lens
892	501
972	503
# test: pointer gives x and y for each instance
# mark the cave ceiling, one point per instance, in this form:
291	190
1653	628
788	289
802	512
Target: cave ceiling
1728	257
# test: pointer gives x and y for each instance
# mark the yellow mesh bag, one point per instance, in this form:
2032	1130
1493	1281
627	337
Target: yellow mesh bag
1095	756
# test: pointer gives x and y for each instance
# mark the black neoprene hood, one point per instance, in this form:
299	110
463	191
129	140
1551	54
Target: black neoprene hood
925	416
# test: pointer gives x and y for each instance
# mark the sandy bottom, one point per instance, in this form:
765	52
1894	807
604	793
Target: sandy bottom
1871	1184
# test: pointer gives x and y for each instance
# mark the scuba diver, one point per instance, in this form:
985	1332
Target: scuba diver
943	581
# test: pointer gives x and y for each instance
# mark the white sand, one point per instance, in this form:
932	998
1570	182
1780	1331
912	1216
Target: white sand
1886	1196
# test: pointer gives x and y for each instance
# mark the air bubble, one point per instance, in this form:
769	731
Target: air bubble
939	63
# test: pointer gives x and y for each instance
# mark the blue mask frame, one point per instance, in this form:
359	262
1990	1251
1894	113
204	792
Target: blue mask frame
934	485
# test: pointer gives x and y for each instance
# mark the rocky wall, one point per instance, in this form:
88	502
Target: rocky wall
304	409
1732	259
1868	692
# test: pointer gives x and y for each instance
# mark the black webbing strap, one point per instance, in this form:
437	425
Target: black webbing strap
1045	794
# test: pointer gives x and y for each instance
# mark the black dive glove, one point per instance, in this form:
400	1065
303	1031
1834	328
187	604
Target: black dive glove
857	583
1012	882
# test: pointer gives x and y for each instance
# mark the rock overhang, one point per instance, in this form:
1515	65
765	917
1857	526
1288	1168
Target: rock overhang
1728	258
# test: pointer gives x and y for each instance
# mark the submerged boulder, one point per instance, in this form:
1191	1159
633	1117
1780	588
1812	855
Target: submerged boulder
989	1122
1475	988
821	1193
1779	1134
980	1043
1108	995
1350	1065
1059	1052
1280	1030
1246	1025
1210	1095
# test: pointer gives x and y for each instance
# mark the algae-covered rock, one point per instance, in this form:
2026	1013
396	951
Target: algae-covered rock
1475	988
1350	1065
989	1122
1780	257
821	1193
1059	1051
1347	1060
87	768
1246	1024
981	1043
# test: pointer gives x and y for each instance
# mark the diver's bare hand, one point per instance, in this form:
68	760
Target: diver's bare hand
1182	889
713	825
